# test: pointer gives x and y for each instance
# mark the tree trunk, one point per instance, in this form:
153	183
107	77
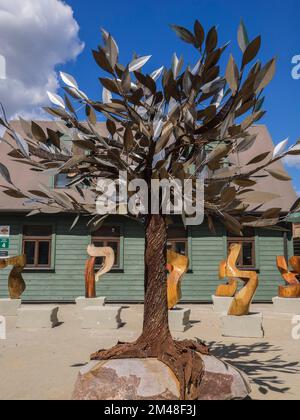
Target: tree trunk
156	325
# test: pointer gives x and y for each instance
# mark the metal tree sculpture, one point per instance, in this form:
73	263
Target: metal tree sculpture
190	122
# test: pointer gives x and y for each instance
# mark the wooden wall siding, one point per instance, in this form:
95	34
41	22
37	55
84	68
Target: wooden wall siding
206	253
270	245
66	281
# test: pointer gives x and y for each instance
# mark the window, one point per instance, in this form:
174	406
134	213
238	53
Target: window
178	240
247	257
108	236
37	244
61	181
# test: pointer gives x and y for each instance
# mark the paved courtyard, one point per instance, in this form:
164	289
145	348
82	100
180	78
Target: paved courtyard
43	364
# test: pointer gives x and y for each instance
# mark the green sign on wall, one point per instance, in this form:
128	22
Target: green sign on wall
4	243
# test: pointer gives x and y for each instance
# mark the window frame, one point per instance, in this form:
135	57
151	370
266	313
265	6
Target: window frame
118	239
173	241
36	239
42	224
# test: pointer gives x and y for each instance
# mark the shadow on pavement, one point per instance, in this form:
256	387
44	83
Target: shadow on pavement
261	372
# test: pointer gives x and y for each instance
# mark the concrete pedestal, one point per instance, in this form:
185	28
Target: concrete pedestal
104	318
40	316
179	319
286	306
82	302
248	326
221	304
9	307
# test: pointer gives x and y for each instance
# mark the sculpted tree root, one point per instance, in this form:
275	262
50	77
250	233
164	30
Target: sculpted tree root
182	357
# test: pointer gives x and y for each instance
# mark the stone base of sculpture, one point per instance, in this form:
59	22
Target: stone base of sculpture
9	307
286	305
82	302
37	317
179	319
221	304
246	326
104	318
150	379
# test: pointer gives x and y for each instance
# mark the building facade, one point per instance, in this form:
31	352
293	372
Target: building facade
56	257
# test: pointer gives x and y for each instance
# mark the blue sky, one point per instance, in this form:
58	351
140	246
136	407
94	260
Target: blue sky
143	27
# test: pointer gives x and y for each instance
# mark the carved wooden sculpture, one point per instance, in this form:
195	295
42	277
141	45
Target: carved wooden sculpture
177	266
295	264
16	283
292	289
229	289
242	300
91	278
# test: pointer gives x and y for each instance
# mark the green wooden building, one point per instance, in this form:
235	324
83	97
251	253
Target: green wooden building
56	255
56	258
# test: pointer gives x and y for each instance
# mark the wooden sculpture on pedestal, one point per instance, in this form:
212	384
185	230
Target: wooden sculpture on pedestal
292	289
16	283
229	289
91	278
242	300
177	265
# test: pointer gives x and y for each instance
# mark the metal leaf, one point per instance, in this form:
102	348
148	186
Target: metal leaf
251	51
272	213
106	96
102	61
68	80
56	99
232	75
243	39
157	73
14	193
5	173
90	113
38	132
184	34
22	144
211	39
126	81
113	51
246	143
278	174
76	220
139	63
199	34
258	158
265	76
280	148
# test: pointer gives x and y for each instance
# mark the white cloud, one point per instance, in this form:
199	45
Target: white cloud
35	36
292	161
